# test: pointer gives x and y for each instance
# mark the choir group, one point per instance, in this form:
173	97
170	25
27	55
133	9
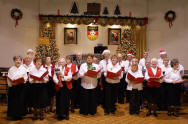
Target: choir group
33	83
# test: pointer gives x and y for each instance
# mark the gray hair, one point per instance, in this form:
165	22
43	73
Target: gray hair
154	60
17	57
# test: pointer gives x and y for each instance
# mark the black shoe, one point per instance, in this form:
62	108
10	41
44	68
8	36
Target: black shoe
41	118
169	113
67	117
59	118
16	118
106	113
72	110
28	111
176	114
121	102
137	112
148	113
113	112
155	114
131	113
35	118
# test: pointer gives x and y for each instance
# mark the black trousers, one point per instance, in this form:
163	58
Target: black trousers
134	104
121	90
62	101
162	95
28	94
75	93
51	90
152	95
16	101
39	95
127	92
100	95
173	94
111	93
88	104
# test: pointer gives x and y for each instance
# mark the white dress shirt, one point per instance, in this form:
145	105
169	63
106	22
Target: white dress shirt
160	62
86	81
131	84
181	69
49	68
172	76
68	77
28	68
127	65
38	73
113	69
103	64
122	64
164	69
15	73
142	62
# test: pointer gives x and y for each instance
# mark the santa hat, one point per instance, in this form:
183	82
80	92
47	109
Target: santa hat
129	54
30	51
162	52
106	51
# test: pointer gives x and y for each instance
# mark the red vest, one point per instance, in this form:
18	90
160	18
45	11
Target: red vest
73	70
150	74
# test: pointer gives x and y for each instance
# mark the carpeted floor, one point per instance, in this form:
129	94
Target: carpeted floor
121	117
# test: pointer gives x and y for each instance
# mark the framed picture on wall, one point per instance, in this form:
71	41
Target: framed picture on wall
70	35
114	36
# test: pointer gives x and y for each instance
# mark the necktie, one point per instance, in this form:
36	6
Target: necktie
129	63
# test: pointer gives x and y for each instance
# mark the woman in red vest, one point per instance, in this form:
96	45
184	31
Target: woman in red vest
154	78
50	83
74	70
62	95
38	77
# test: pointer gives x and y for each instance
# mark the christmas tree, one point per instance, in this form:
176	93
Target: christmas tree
74	9
127	44
47	44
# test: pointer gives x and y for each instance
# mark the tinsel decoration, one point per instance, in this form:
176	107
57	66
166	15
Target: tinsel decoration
127	44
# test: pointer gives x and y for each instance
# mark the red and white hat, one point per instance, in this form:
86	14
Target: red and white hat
162	52
30	51
129	54
106	51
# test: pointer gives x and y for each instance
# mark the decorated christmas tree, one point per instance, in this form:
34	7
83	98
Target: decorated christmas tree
127	44
47	44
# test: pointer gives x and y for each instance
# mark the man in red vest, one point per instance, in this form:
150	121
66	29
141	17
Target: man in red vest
154	78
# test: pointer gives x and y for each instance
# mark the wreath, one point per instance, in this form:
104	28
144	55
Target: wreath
16	14
170	16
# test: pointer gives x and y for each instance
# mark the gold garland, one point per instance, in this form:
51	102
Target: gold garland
86	20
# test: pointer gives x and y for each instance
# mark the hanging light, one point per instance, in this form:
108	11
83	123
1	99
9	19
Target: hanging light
48	25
